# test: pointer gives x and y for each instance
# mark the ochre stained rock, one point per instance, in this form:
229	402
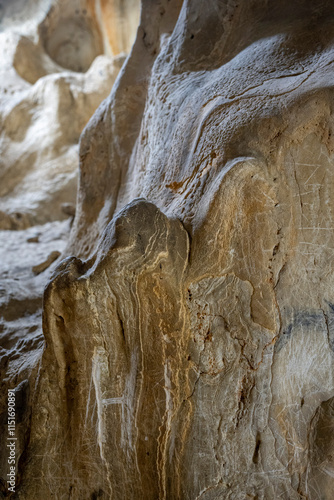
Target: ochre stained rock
190	330
109	357
54	73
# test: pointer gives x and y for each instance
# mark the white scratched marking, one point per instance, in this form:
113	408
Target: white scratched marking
302	194
307	164
113	401
312	174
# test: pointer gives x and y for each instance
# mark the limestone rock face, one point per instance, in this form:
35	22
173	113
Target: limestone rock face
107	357
54	72
21	336
190	330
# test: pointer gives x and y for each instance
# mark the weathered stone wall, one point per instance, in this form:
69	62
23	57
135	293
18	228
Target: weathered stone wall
190	331
55	70
56	66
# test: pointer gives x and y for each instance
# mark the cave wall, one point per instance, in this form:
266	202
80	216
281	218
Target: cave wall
56	67
189	330
54	72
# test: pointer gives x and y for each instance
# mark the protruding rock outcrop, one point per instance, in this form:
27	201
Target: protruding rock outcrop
55	70
189	332
115	330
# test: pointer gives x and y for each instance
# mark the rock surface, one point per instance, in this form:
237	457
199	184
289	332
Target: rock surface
56	67
21	336
54	73
190	330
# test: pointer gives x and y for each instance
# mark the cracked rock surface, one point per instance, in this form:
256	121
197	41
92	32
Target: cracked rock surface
57	63
190	329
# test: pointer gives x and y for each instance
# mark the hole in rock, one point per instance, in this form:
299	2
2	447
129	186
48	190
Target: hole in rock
72	42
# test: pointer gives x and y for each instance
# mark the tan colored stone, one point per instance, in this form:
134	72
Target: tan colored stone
39	268
43	109
189	332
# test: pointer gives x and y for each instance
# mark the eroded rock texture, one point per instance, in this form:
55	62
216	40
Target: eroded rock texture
189	333
56	66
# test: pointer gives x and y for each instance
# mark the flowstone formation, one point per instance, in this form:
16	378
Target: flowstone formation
190	329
